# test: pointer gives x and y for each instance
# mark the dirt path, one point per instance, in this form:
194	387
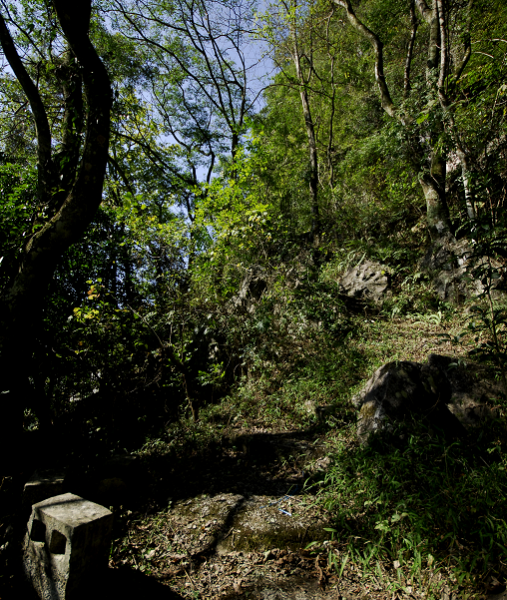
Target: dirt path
250	539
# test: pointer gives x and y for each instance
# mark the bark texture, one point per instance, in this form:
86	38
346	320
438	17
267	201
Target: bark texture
312	142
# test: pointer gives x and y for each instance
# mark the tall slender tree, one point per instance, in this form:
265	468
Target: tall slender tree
201	90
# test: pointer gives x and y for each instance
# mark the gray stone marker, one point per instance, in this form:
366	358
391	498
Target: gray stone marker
66	545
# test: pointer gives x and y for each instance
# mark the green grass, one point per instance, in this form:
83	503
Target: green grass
420	503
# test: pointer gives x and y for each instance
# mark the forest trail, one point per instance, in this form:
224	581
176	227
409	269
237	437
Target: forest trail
249	540
235	519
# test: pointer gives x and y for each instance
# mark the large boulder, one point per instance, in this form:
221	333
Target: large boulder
401	389
459	272
368	281
443	391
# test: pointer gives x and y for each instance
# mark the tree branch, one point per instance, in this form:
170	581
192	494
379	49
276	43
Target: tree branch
46	246
426	12
38	109
122	174
385	96
468	45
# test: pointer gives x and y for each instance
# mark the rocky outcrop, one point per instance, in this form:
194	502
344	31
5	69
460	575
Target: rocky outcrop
251	289
442	392
459	272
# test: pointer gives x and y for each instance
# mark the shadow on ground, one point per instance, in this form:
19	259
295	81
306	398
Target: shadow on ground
254	464
123	583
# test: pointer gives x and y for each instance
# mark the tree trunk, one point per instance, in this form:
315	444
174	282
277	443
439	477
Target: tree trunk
314	163
312	145
433	184
437	212
468	186
22	306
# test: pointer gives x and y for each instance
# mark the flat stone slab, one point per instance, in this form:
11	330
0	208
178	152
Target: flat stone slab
196	525
263	523
228	523
70	511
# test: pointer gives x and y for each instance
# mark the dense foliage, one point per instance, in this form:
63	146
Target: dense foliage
230	207
215	210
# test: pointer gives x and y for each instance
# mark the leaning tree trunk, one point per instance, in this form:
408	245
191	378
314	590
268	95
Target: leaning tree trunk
437	213
22	305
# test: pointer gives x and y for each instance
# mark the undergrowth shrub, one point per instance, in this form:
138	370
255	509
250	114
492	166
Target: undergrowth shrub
413	499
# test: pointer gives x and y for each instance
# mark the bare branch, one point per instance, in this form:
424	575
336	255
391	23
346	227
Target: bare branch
122	174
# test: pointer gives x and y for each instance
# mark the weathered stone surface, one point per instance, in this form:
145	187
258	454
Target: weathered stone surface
400	389
262	523
251	289
66	545
447	393
472	390
228	523
43	484
199	523
368	281
446	253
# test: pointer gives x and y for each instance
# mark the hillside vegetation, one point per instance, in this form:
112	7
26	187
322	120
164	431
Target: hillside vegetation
172	242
